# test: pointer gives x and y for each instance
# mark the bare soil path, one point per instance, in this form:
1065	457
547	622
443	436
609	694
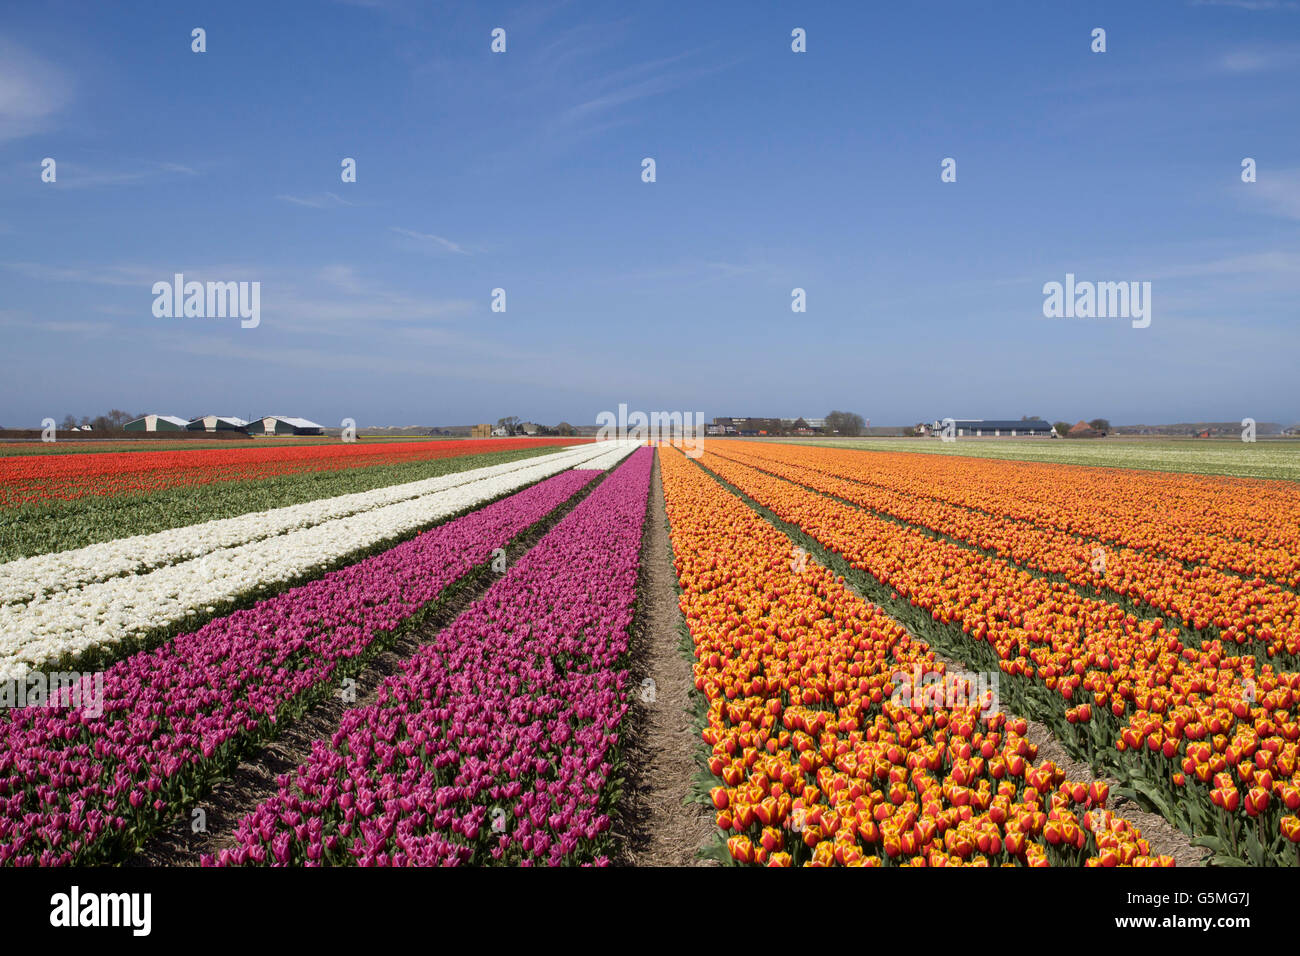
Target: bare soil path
654	826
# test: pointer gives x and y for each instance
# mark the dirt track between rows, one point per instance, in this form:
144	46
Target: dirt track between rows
654	826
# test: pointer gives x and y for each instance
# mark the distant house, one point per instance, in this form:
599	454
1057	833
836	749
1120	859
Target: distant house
283	425
1083	430
154	423
218	423
802	425
530	428
500	432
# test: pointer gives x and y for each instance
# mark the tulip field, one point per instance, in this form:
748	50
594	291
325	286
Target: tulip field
873	638
1148	620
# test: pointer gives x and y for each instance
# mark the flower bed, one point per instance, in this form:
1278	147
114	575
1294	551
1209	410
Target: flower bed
1206	599
1174	723
47	574
497	742
816	757
81	789
82	624
1245	525
31	479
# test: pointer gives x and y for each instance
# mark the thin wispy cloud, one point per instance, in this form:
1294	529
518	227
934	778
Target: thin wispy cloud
15	320
334	299
638	82
342	277
581	42
1272	261
112	275
32	91
309	311
74	175
1259	60
322	201
700	270
1249	4
430	240
1276	192
130	276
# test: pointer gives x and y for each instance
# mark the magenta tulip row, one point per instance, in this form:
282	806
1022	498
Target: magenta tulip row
498	741
77	789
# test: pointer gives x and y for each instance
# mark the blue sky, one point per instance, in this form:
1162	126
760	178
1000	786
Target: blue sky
775	170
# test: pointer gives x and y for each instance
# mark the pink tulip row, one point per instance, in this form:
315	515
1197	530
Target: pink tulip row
76	789
496	742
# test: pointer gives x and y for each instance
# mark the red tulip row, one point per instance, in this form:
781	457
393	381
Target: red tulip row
824	748
35	478
1204	598
1178	719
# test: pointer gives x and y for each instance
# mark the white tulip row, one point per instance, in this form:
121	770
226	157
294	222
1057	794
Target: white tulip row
609	459
26	578
103	613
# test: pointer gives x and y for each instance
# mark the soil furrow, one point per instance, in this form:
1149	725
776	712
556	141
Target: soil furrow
656	827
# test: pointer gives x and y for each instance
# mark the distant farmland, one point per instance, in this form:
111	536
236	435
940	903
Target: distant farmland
1266	458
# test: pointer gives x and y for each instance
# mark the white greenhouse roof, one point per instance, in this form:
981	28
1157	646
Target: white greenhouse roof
295	422
162	418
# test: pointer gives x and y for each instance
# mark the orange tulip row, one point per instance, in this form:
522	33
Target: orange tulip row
1249	526
1240	611
826	748
1176	715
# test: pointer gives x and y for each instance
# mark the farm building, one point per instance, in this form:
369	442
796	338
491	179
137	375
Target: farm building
995	428
156	423
283	425
218	423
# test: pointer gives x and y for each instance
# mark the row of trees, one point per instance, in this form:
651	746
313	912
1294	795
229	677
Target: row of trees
514	426
116	418
837	423
1100	425
845	423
